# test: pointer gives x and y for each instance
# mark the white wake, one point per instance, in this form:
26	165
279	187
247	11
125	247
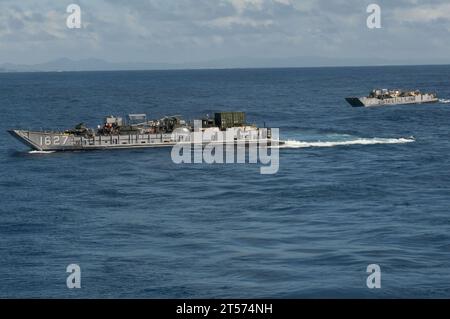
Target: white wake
444	100
41	152
303	144
358	141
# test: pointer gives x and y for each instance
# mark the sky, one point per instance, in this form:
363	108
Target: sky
185	31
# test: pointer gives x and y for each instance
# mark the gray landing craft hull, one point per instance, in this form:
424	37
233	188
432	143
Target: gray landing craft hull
368	102
55	141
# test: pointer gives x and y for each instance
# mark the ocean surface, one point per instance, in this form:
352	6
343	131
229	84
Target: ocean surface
355	186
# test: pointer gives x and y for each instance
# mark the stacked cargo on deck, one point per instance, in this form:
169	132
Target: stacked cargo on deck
226	120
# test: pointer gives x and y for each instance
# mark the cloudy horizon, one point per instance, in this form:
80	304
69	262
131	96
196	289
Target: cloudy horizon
192	31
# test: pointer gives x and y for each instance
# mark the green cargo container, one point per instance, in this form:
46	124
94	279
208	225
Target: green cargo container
229	119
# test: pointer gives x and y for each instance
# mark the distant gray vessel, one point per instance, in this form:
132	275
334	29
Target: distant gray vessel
381	97
138	132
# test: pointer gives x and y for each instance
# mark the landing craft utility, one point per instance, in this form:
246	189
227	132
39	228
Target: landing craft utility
392	97
138	132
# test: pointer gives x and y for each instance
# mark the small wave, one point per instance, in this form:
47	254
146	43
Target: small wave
359	141
444	100
41	152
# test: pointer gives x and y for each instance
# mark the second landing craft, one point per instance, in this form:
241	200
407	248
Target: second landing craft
381	97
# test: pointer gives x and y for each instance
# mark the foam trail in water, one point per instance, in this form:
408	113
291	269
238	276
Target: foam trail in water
358	141
41	152
444	100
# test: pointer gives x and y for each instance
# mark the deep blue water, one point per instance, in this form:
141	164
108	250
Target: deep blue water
142	226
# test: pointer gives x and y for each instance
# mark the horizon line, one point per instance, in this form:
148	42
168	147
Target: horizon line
226	68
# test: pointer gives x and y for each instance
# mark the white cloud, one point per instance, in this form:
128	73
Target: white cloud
229	22
285	2
424	13
242	5
23	25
